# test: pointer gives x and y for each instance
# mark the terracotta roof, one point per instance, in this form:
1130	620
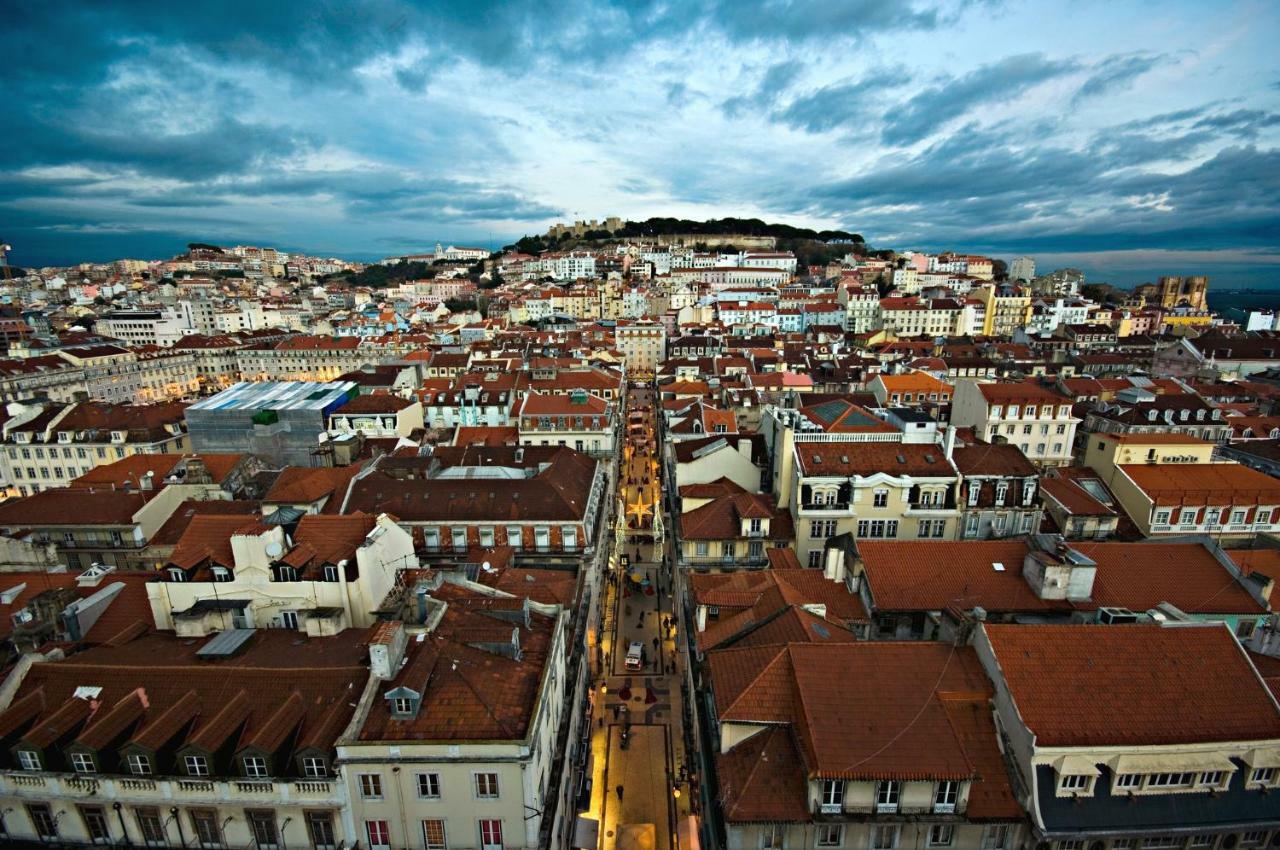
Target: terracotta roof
1264	561
298	485
1135	685
710	489
1204	484
721	519
321	540
173	529
866	459
373	403
471	435
1073	498
839	416
980	460
207	540
869	710
62	507
762	780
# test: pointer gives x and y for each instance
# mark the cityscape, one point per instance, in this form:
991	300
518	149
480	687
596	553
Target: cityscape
763	426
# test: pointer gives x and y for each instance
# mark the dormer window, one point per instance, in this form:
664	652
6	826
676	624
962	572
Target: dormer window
140	764
29	760
177	574
404	703
118	436
1072	783
255	767
83	763
64	436
222	574
330	572
284	572
196	765
315	767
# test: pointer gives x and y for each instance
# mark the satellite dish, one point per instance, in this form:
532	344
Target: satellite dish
487	567
274	549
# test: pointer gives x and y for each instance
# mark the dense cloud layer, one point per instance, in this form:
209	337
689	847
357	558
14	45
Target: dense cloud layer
360	128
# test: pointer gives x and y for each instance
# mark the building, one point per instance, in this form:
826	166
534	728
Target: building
1225	500
235	572
910	389
870	491
279	421
1107	745
142	327
1028	415
457	742
1022	269
579	420
739	459
1182	291
153	740
544	502
50	446
999	492
731	531
1079	504
642	345
1137	411
861	745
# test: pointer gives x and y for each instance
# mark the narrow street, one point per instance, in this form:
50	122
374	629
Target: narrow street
641	793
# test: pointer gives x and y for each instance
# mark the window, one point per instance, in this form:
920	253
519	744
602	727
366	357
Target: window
1026	429
701	548
1212	777
490	834
1244	628
1170	780
822	528
196	765
884	837
487	786
1253	838
459	539
433	834
772	837
95	824
429	786
330	572
320	828
513	537
941	835
880	498
1237	517
42	821
1202	842
205	824
1074	782
832	795
1162	842
829	835
1123	844
1262	776
315	767
403	705
255	767
1069	845
83	763
1128	781
262	826
150	826
371	786
1162	517
29	759
887	795
221	574
995	836
1002	489
378	832
944	798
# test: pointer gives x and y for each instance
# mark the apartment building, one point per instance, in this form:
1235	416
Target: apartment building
999	492
1028	415
1107	747
50	446
642	344
870	491
150	740
456	741
867	745
142	327
539	500
233	572
1140	411
581	421
1226	500
731	531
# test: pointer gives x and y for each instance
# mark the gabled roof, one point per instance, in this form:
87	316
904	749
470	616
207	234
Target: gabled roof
301	485
720	519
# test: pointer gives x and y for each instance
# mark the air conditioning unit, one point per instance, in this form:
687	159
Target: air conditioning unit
1116	616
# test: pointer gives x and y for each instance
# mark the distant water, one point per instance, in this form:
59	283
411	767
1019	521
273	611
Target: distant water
1234	304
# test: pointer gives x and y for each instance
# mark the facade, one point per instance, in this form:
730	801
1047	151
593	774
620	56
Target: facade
1028	415
642	345
732	532
1226	500
999	492
581	421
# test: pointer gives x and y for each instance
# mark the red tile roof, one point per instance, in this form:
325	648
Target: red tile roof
298	485
1204	484
1135	685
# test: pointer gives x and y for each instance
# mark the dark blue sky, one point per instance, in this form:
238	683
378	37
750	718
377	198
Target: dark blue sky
1131	138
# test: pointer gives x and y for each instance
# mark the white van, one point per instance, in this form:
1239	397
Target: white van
635	655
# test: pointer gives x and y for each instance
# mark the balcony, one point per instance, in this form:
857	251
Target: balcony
825	508
830	808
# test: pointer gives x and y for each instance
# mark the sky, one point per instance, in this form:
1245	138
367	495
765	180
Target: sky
1126	137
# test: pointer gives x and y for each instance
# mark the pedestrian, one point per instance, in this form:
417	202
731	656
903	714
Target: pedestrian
619	790
655	644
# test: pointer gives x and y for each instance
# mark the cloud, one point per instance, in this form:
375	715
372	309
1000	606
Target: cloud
998	81
1117	72
776	79
842	104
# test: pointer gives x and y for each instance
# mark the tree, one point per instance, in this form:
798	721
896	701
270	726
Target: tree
459	305
1000	269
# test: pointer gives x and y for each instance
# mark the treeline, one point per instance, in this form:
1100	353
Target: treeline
725	226
380	277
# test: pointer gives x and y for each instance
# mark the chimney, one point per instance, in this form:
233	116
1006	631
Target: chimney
386	649
949	441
